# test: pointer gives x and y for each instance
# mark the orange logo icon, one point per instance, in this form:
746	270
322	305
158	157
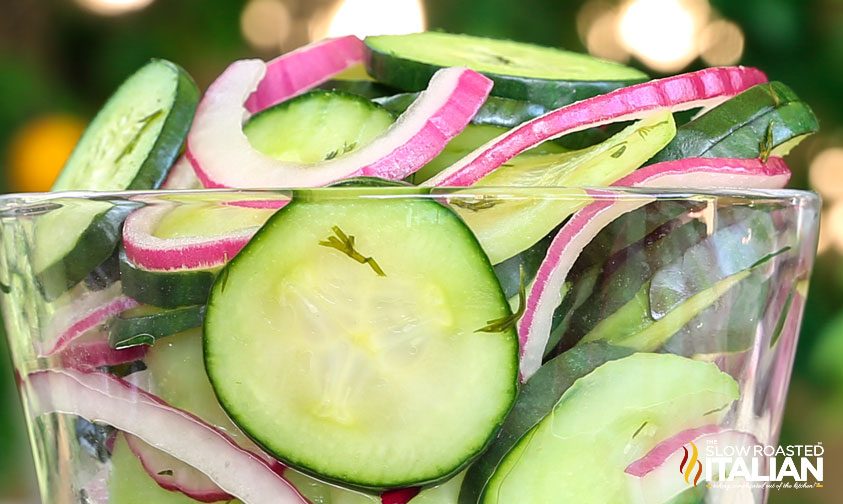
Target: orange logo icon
690	467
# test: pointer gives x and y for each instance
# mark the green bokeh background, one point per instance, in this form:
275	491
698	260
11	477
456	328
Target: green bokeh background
57	57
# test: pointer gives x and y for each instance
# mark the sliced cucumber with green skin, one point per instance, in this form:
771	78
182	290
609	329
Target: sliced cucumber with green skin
370	182
537	399
318	492
551	77
768	119
72	240
166	289
497	111
507	113
473	136
588	445
137	135
704	283
295	330
445	493
128	482
146	324
507	226
317	126
365	88
177	373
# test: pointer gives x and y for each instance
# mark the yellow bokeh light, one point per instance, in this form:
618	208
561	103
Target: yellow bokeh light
826	173
833	222
663	33
113	7
39	149
373	17
722	43
601	39
265	24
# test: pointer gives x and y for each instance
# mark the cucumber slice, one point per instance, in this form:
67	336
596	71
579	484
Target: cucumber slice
506	113
72	240
374	359
146	324
537	398
446	493
177	371
166	288
472	137
128	482
317	126
595	429
507	226
366	88
768	119
543	75
321	493
137	135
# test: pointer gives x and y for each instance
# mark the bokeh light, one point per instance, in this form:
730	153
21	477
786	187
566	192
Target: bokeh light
663	33
265	24
601	38
826	173
722	43
113	7
372	17
833	221
39	149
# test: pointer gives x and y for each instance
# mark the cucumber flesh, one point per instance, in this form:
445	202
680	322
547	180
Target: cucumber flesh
508	226
137	135
445	493
768	119
317	126
472	137
128	482
548	76
664	393
398	388
366	88
536	400
193	220
317	492
72	240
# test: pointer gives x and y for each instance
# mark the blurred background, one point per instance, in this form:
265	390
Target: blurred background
59	59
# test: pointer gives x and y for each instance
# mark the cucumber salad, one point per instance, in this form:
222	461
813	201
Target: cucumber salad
386	324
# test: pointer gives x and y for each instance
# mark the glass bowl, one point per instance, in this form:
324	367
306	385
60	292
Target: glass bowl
390	344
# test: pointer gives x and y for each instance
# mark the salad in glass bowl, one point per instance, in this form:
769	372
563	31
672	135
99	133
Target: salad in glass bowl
480	272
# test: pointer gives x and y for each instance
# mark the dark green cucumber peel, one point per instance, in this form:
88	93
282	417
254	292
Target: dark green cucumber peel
700	324
537	398
145	325
150	174
567	70
369	182
753	124
104	274
625	238
94	247
625	276
165	289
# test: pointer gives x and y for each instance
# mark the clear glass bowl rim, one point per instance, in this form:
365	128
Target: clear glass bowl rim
16	204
